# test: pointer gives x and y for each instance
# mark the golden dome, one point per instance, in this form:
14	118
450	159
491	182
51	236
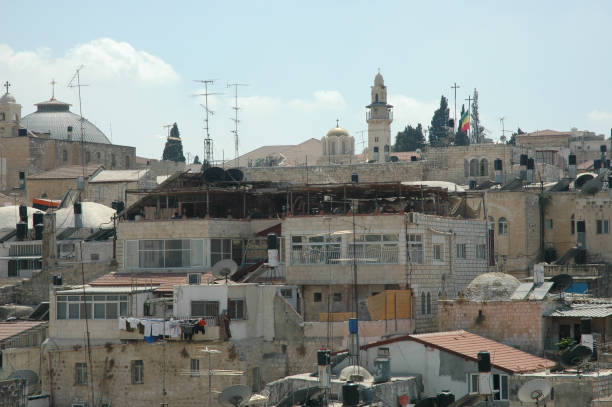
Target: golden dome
337	132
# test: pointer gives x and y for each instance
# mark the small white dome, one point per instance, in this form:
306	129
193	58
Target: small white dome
492	287
9	216
94	215
7	98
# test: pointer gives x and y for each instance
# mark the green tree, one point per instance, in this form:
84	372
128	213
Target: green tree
512	139
196	160
409	139
438	131
173	151
477	129
461	137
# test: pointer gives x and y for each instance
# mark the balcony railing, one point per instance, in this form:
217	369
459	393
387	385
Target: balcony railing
364	254
385	115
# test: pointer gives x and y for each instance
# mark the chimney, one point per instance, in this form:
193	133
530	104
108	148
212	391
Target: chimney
523	167
69	133
498	166
571	168
530	170
78	215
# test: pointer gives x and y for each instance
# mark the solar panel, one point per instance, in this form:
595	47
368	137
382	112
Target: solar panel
540	292
521	292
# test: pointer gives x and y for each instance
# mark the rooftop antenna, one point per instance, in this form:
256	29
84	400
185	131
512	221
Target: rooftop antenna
53	83
501	120
71	84
235	119
208	152
167	127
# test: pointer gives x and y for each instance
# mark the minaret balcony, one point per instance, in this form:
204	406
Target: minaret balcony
388	115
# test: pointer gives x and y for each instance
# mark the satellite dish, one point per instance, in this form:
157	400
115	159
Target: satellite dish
583	179
214	174
561	283
234	174
224	268
235	396
575	356
534	391
418	151
592	186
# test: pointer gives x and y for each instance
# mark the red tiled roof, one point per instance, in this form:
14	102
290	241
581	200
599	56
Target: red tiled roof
467	345
164	281
8	329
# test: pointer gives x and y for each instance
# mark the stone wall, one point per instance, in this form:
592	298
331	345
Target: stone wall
515	323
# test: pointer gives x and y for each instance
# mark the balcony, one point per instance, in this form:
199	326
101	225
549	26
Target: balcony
212	333
386	115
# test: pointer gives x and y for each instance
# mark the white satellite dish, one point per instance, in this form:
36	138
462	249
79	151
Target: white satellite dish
534	391
235	396
224	268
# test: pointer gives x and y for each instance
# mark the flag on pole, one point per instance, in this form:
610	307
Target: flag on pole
464	123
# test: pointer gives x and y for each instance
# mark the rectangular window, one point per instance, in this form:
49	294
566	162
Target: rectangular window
414	245
337	297
603	226
461	250
237	309
287	293
500	387
481	251
204	308
375	248
91	307
175	253
220	249
80	373
437	252
194	367
137	372
317	297
549	224
473	383
318	249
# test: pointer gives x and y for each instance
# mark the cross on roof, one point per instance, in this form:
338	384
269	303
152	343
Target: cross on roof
6	86
53	89
337	123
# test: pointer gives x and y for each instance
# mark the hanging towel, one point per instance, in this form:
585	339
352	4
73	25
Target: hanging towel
157	328
133	322
147	327
122	323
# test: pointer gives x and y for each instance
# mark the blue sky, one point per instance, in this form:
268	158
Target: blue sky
540	65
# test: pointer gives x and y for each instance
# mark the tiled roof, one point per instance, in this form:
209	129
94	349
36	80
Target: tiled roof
467	345
67	172
164	281
585	311
8	329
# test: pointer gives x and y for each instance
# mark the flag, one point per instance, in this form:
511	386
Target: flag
464	123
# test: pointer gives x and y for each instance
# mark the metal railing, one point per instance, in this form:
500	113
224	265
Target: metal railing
364	254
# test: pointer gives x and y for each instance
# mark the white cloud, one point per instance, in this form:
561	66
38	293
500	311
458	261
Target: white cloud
411	111
322	100
599	116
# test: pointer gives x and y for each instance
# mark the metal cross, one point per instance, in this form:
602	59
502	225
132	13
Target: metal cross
53	89
7	85
337	123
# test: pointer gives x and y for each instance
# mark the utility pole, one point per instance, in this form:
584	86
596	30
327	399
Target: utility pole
77	76
235	120
208	153
469	100
455	87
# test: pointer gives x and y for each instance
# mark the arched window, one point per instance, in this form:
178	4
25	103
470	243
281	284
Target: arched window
428	303
572	225
377	97
87	156
484	167
491	223
473	167
333	148
502	226
423	309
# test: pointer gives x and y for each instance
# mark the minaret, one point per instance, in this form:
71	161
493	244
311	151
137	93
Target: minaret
379	118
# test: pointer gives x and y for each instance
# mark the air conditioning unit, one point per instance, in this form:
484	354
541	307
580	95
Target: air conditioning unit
194	278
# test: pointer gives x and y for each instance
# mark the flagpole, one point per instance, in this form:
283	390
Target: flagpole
469	99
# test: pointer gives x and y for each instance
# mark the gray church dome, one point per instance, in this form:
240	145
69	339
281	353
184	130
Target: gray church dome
493	286
55	117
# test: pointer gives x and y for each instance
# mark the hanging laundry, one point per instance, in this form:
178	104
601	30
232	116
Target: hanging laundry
122	323
157	328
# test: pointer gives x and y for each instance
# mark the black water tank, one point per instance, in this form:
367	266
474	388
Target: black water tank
585	326
523	159
497	164
530	164
57	279
571	159
610	182
234	174
550	254
607	165
445	398
23	213
323	357
603	148
22	230
394	159
38	231
350	394
214	174
414	158
38	218
119	206
484	361
77	208
451	123
473	184
597	164
355	178
272	241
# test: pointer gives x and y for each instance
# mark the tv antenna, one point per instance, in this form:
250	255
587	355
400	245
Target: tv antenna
208	151
72	84
235	119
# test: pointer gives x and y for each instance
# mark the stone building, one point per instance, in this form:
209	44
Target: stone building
108	186
55	183
379	118
338	147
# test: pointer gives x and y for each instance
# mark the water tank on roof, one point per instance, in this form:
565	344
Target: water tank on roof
23	213
38	218
214	174
445	398
38	231
382	370
484	361
22	230
350	394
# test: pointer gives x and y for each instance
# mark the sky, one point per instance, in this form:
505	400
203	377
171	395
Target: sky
539	65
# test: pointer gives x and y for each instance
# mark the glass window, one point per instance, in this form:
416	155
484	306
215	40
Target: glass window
318	249
220	249
502	226
549	224
481	251
602	226
415	248
111	310
484	167
428	303
375	248
437	252
174	253
337	297
204	308
137	372
461	250
194	367
80	373
423	305
572	225
73	311
236	309
317	297
61	310
99	311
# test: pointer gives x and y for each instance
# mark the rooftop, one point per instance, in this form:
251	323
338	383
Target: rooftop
9	329
118	176
68	172
584	311
163	282
467	345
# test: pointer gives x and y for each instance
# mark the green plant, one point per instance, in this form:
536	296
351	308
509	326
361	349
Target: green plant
565	343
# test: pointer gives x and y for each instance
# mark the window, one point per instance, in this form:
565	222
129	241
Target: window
603	226
473	167
2	116
415	248
499	385
461	250
99	193
205	308
65	155
137	372
87	156
286	293
484	167
94	256
16	267
113	161
80	373
317	297
220	249
194	367
375	248
437	252
337	297
145	254
146	309
316	249
549	224
572	225
502	226
423	305
428	303
481	251
80	307
237	309
376	141
491	223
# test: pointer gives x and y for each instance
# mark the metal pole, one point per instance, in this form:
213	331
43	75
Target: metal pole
455	86
355	290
